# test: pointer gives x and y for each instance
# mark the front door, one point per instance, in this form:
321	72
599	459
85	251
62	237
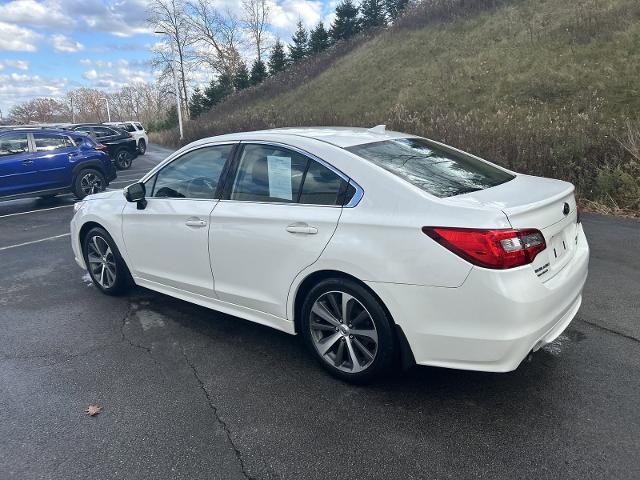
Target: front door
167	242
280	211
17	170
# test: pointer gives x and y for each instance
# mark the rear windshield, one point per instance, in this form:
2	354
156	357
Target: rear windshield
434	170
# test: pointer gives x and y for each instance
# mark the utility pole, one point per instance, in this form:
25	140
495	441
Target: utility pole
73	113
174	68
108	112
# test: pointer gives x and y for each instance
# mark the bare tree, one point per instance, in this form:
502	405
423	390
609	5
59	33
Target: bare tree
218	35
42	110
169	17
256	17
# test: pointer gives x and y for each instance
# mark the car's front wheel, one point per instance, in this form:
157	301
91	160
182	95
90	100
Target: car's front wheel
88	181
142	146
348	330
123	158
105	264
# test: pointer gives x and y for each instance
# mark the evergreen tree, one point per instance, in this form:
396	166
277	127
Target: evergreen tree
278	58
395	7
241	77
346	23
218	90
197	103
373	14
300	46
258	72
319	39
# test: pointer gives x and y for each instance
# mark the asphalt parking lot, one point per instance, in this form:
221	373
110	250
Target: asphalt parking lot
190	393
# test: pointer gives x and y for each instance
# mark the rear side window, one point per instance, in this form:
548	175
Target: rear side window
48	142
193	175
128	127
268	173
139	126
433	169
13	144
102	132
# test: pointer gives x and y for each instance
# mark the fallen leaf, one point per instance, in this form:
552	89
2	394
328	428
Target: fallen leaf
93	410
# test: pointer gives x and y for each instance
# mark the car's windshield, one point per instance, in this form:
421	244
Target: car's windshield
435	170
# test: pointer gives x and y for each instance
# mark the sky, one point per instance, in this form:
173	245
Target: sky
48	47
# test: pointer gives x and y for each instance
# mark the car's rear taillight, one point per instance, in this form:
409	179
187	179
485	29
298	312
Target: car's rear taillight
101	147
497	249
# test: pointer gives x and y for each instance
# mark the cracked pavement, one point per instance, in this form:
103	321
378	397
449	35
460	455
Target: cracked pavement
190	393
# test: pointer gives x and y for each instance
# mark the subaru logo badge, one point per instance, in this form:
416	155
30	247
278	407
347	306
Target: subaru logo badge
566	209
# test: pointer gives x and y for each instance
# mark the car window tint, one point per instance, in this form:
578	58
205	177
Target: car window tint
49	142
193	175
128	127
433	169
102	132
138	126
13	144
268	174
322	186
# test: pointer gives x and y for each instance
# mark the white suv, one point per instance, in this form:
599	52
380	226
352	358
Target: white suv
137	131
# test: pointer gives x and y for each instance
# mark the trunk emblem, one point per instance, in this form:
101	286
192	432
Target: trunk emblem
566	209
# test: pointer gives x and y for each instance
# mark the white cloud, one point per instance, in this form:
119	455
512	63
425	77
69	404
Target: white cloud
62	43
15	64
285	15
17	39
17	88
30	12
90	74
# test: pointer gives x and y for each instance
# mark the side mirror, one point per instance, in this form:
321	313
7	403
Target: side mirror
136	192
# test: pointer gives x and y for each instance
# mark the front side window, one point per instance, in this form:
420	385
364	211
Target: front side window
268	173
193	175
128	127
48	142
13	144
433	169
138	126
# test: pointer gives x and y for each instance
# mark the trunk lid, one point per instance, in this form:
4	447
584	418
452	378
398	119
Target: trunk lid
534	202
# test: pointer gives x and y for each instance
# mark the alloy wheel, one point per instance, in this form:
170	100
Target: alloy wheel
124	159
102	263
343	332
91	183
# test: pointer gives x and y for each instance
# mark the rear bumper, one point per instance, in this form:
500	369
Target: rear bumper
493	320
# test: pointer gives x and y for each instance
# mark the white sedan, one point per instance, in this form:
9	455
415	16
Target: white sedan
377	247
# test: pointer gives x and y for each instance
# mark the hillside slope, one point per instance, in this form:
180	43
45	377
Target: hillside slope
550	87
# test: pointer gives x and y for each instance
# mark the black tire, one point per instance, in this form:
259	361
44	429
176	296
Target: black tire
88	181
142	146
122	281
123	158
383	358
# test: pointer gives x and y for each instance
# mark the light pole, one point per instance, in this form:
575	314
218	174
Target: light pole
108	112
174	67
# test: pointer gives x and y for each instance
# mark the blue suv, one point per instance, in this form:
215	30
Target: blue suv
47	162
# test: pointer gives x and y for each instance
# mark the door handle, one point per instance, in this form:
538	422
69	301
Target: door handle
302	228
27	162
195	222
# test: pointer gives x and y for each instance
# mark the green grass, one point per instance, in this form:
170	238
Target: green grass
543	86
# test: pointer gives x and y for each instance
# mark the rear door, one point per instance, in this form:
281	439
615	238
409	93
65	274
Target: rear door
17	170
54	157
278	214
168	241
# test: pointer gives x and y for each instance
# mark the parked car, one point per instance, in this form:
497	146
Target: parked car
137	131
47	162
370	244
121	146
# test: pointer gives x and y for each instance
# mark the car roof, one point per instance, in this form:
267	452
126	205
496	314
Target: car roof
343	137
57	131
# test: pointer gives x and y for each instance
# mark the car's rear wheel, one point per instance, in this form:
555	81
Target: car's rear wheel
142	146
348	330
123	158
105	264
88	181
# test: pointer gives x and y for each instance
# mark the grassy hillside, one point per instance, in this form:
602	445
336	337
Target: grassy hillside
550	87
